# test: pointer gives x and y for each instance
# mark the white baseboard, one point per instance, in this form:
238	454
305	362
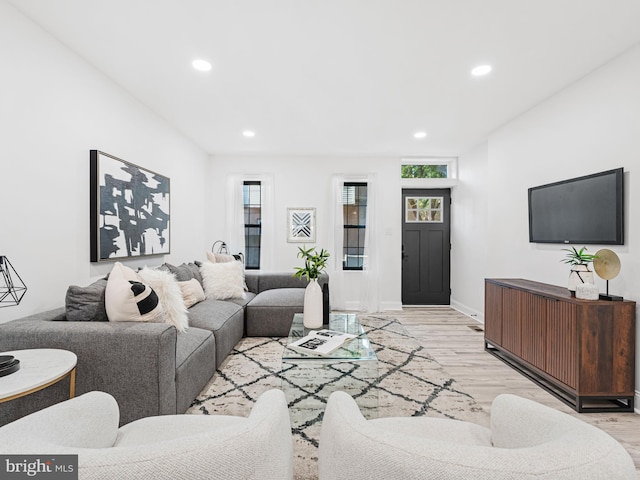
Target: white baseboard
470	312
355	305
636	402
386	306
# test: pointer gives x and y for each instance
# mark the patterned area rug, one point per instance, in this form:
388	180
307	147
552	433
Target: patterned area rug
409	383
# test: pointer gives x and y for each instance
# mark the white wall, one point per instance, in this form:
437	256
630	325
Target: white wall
55	108
469	230
306	182
592	126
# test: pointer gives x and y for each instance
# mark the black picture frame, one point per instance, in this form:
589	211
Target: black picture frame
130	209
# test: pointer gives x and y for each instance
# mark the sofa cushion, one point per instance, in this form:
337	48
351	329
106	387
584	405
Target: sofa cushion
279	297
129	300
251	280
248	296
211	314
270	313
277	280
195	365
224	319
86	304
186	344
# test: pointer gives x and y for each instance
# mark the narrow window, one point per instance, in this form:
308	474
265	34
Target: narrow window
354	205
425	171
252	224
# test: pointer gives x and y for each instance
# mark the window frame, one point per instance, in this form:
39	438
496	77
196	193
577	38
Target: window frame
248	226
450	181
433	213
361	227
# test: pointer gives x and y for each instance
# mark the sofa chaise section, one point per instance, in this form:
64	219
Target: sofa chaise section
279	296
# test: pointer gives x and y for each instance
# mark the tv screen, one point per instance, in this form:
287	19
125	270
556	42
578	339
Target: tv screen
585	210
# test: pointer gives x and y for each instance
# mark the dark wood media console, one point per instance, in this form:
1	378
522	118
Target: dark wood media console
581	351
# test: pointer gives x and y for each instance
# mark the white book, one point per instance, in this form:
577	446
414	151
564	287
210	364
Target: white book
321	342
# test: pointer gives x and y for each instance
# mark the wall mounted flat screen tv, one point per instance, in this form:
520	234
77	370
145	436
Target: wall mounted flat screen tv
586	210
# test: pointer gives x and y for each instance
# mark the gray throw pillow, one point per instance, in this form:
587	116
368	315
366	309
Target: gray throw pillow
182	273
86	304
195	269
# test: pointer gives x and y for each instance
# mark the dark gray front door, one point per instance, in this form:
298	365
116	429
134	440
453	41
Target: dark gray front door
426	247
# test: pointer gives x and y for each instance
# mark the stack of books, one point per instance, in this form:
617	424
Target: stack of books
321	342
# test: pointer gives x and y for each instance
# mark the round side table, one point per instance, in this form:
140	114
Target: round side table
39	368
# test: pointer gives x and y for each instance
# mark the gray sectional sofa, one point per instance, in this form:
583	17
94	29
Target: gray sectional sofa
151	368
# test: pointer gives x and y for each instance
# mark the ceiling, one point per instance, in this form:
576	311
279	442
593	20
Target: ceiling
341	77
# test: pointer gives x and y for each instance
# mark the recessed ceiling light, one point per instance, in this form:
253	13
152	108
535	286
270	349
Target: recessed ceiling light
420	135
481	70
201	65
249	133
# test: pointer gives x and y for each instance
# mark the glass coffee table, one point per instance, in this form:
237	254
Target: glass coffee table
308	379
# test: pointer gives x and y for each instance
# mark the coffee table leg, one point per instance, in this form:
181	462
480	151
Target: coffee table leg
72	384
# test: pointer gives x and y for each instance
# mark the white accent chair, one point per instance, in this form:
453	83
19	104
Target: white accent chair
526	441
171	447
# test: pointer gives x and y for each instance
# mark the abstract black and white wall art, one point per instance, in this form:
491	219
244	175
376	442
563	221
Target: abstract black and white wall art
130	214
301	225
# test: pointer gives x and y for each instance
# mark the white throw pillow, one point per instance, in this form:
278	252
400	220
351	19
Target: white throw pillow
192	292
127	299
223	280
170	295
219	257
225	258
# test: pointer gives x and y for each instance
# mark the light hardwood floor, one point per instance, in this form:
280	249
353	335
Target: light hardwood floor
456	341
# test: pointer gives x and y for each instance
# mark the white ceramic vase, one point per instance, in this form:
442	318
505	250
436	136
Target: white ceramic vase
579	274
312	313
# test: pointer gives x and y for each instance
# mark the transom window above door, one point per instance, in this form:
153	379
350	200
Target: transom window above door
425	171
423	210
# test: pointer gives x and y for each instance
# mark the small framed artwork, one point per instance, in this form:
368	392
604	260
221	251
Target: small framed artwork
130	209
301	225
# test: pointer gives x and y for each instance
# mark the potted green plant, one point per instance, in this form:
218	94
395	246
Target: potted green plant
314	264
579	261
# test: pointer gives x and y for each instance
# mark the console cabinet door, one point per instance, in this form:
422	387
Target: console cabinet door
493	313
512	320
607	348
534	329
562	342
